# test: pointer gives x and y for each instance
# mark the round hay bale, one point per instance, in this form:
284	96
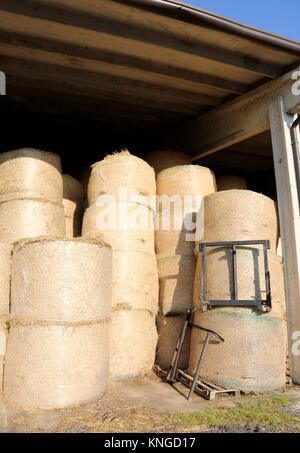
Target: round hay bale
229	182
30	173
122	171
176	280
21	219
160	160
133	339
51	366
175	233
279	247
183	180
61	280
73	205
5	264
237	215
122	225
73	227
169	329
135	281
250	278
4	328
253	355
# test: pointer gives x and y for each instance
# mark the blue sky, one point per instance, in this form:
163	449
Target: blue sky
278	16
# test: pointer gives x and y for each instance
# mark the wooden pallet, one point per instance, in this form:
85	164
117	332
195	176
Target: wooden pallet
205	388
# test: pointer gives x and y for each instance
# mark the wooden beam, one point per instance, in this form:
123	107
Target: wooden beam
133	39
289	216
233	122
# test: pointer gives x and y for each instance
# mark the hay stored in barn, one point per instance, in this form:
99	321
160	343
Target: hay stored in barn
133	340
169	329
237	215
27	218
176	281
122	171
161	160
229	182
30	173
57	352
73	205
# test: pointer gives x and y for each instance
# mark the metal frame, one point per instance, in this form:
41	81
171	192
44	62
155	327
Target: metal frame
172	374
235	301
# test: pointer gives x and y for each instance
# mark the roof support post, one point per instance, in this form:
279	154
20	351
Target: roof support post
289	217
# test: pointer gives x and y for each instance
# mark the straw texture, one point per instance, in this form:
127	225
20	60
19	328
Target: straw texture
229	182
121	170
5	264
169	329
57	352
30	173
236	215
4	327
53	366
73	205
173	233
253	355
122	225
133	339
250	278
160	160
186	180
60	280
176	281
30	218
135	280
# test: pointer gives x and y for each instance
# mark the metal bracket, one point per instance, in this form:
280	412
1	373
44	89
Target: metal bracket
206	303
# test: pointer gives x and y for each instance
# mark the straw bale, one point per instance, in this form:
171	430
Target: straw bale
174	231
138	234
73	202
169	329
61	280
30	173
279	247
5	264
229	182
121	170
30	218
160	160
186	180
133	339
53	366
176	280
236	215
4	328
135	280
250	278
253	355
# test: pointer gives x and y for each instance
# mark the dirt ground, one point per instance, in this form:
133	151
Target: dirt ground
144	404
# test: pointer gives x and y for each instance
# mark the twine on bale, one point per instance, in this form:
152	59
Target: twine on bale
161	160
24	218
121	170
133	339
30	173
57	351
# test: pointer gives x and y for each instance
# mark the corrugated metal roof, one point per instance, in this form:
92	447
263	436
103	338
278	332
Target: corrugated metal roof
135	63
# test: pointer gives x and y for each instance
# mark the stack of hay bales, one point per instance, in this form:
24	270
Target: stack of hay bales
130	233
160	160
230	182
175	254
73	205
31	190
252	358
57	352
5	263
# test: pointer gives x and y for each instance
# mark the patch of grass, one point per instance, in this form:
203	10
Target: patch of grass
264	412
